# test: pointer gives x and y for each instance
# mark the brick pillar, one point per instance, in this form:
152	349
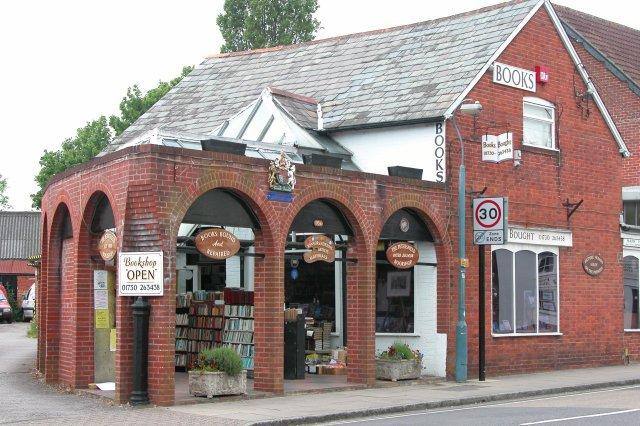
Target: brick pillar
84	322
68	321
124	341
361	304
269	318
40	298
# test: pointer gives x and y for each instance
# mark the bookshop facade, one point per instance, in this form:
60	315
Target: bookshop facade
233	257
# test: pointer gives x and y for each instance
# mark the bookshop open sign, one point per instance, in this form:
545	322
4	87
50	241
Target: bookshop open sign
140	274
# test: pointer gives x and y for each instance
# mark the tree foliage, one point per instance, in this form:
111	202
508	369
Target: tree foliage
135	103
4	200
253	24
86	144
96	135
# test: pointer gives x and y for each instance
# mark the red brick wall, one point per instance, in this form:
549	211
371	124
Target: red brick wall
150	189
586	167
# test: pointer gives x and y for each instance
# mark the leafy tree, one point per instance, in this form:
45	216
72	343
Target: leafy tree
4	200
252	24
134	104
87	143
96	135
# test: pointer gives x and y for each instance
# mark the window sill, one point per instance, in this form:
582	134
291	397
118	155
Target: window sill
632	330
397	334
527	335
552	152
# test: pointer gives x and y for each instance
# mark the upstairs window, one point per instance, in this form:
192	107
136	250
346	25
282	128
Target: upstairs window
631	213
538	123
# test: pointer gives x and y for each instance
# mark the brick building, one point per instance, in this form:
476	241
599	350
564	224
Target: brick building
610	53
19	240
347	112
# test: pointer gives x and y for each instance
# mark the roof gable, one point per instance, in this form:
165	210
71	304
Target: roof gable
405	74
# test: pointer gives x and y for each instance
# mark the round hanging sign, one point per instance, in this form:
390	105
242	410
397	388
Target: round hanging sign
593	265
320	248
217	243
402	255
108	245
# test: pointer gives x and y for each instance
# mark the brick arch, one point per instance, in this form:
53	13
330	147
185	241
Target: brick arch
360	276
444	252
56	253
62	198
268	271
352	210
86	261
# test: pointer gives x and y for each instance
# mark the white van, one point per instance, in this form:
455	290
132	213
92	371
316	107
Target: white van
29	303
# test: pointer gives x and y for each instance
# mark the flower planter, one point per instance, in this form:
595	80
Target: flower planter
210	384
395	370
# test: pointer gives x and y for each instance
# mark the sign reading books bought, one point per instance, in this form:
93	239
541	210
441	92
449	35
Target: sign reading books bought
402	255
489	221
321	248
140	274
108	245
217	243
496	149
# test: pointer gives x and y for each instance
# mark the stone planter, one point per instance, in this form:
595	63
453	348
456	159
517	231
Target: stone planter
210	384
397	370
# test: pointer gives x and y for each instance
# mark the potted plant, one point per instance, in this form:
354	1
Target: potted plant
218	372
399	362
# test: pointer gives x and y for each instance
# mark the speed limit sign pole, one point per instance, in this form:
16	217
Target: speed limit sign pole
489	227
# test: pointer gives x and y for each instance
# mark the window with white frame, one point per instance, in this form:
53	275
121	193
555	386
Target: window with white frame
525	291
538	123
631	287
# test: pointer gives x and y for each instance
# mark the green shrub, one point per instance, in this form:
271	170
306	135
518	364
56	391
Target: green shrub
32	332
223	359
399	351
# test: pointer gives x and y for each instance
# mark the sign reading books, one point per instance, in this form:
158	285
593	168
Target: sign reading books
489	220
140	274
217	243
496	149
514	77
321	248
402	255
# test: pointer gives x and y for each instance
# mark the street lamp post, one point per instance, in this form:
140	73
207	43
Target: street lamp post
474	110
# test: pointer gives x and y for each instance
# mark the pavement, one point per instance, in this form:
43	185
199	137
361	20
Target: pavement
27	400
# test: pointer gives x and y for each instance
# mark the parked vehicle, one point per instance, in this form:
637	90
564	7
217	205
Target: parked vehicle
29	303
5	309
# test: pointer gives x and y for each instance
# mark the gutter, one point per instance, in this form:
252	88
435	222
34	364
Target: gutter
587	80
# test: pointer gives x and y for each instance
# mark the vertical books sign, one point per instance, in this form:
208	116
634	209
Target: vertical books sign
496	149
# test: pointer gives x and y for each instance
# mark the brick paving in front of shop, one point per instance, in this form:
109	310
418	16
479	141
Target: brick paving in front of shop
317	407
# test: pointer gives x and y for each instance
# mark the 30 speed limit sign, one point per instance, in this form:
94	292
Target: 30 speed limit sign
489	220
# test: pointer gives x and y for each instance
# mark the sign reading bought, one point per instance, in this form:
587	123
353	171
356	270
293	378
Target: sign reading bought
140	274
496	149
321	248
489	220
514	77
546	237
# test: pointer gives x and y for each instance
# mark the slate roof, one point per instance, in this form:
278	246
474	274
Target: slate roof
402	74
19	234
618	43
303	111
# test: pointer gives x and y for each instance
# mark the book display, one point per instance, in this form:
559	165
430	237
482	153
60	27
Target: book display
199	325
238	324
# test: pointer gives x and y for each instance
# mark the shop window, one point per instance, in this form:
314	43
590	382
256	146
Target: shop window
524	292
394	297
631	213
538	123
631	290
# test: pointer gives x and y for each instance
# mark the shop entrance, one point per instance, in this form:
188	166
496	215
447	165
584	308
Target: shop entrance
215	255
315	292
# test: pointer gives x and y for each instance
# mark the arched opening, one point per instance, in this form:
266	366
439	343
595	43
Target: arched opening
59	279
406	289
219	253
96	289
315	277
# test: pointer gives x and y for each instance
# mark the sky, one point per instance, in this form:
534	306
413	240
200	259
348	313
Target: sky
64	63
